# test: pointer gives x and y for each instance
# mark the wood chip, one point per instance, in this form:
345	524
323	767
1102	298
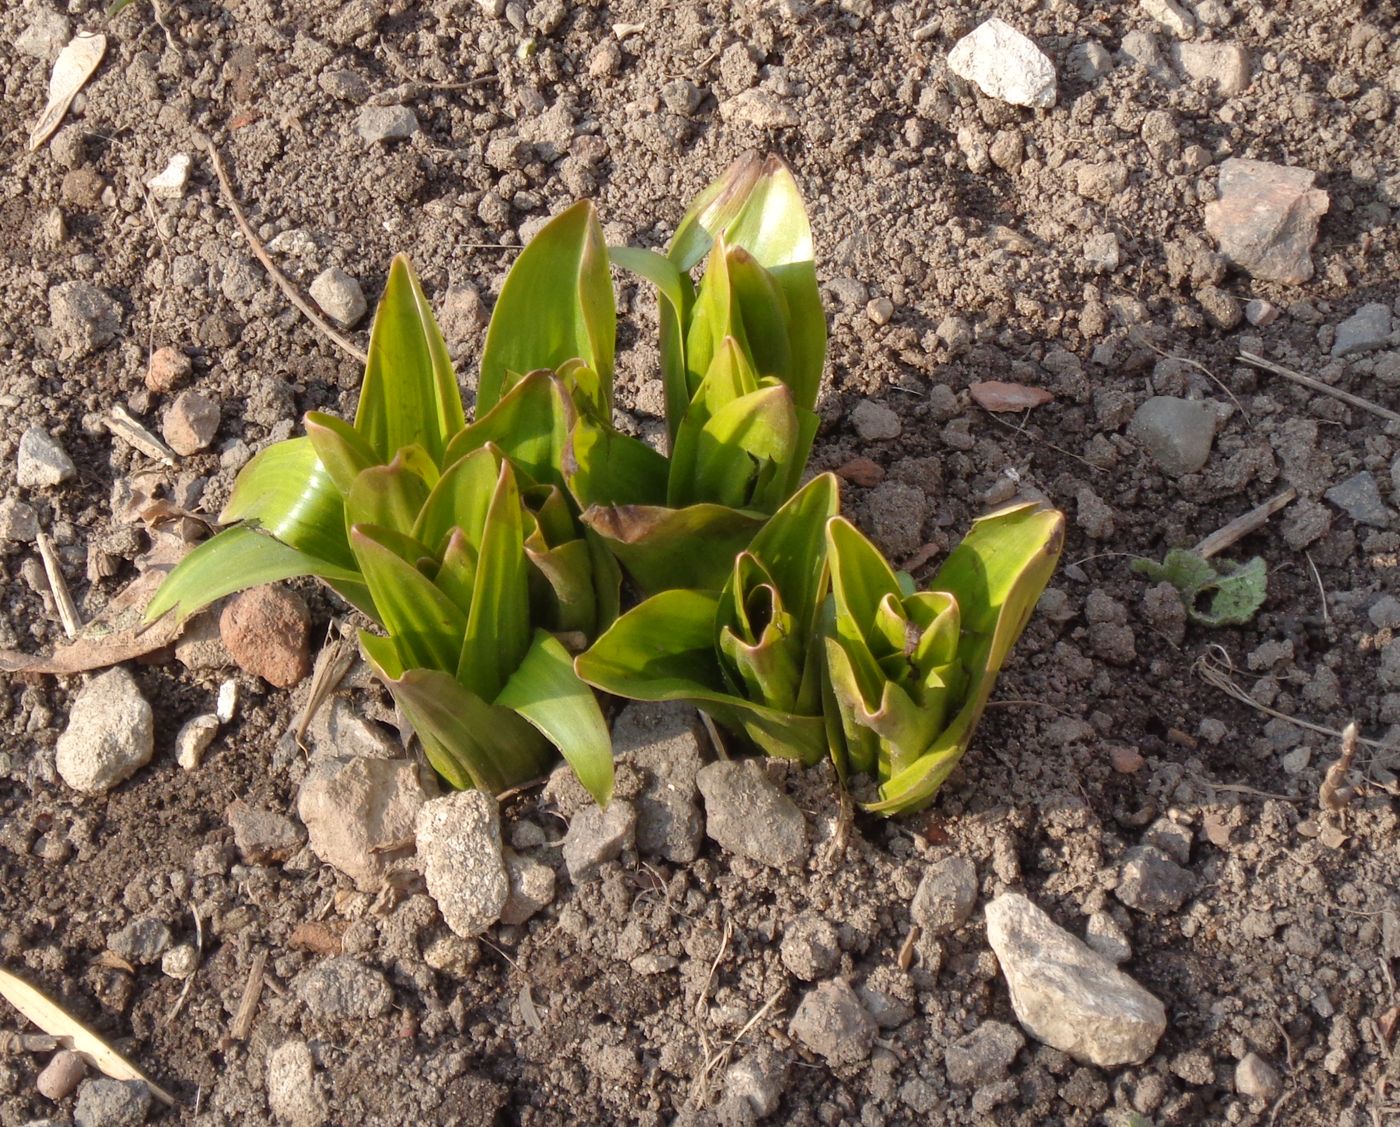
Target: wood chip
130	430
1242	526
76	63
73	1034
317	937
67	611
994	395
248	1007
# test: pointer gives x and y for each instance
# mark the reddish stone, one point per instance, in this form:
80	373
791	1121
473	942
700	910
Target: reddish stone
1265	220
267	632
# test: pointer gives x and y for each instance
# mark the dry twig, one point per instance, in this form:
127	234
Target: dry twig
1243	525
248	1007
130	430
67	611
1319	386
1336	790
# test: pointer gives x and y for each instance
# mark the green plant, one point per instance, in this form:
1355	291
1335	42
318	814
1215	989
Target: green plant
459	541
1235	593
741	362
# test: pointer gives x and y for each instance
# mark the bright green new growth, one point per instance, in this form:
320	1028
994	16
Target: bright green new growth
1236	593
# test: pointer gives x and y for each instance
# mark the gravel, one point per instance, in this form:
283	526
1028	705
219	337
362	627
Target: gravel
984	1055
110	734
1364	331
946	896
597	835
1152	882
339	295
831	1022
1005	64
378	124
344	989
1359	496
1177	434
358	812
42	461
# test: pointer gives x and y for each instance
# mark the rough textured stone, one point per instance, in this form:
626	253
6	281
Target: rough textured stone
597	835
263	837
1152	882
344	989
1364	331
747	815
42	461
337	729
1265	220
1178	434
946	896
339	295
191	422
376	124
1224	64
875	422
758	1079
984	1055
112	1103
45	35
292	1091
1360	498
193	739
1103	934
832	1023
660	740
1005	65
19	523
1171	15
83	318
810	947
352	806
110	734
168	368
1066	994
531	887
459	846
144	940
761	109
1256	1079
268	633
61	1075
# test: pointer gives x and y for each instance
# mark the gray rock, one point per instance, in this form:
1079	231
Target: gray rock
339	295
83	318
1256	1079
1224	64
45	35
747	815
531	887
832	1023
1152	882
1172	837
1171	15
459	846
344	84
984	1055
1101	252
660	740
758	1079
112	1103
1004	64
810	947
1066	994
1178	434
338	730
110	734
144	940
376	124
1089	61
344	989
292	1092
1265	220
875	422
946	896
1364	331
18	522
180	962
1142	49
761	109
263	837
358	813
1260	313
597	835
888	996
42	461
1103	934
1360	498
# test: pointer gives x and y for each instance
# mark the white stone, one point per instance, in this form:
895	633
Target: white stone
1225	64
42	461
459	845
110	734
761	109
194	738
360	813
169	184
1067	995
226	707
292	1091
339	295
1171	16
1005	65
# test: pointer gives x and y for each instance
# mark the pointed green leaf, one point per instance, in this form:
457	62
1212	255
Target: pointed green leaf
239	558
387	496
663	548
469	742
729	377
530	426
565	597
792	546
714	210
742	437
556	304
713	318
426	626
763	308
340	448
548	693
287	493
676	296
459	500
456	575
410	393
498	628
604	467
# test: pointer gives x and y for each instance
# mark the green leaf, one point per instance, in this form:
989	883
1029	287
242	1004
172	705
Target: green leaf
410	393
763	308
738	442
1236	593
729	376
459	500
497	630
340	448
556	304
548	693
676	296
387	496
239	558
663	548
426	625
469	742
530	426
288	493
713	319
567	599
604	467
714	210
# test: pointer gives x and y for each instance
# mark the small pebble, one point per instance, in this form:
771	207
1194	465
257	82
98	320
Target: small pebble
376	124
42	461
61	1075
267	631
191	423
227	704
168	367
880	310
874	422
169	184
180	962
194	738
339	295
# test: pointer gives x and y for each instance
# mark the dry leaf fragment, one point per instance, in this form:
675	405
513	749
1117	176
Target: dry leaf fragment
994	395
73	1034
71	70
